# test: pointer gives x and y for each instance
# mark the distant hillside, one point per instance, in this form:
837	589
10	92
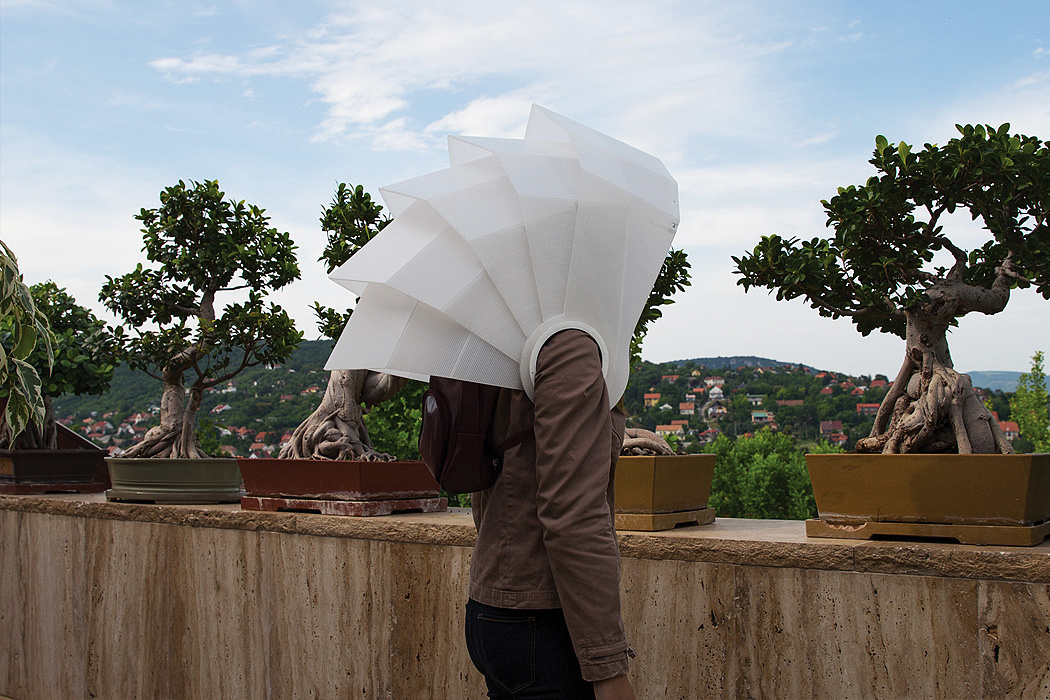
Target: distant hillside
735	361
996	380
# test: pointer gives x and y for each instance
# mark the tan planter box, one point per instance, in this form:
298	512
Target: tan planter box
978	499
663	492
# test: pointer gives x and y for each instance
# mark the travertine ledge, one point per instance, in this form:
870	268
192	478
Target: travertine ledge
766	543
113	601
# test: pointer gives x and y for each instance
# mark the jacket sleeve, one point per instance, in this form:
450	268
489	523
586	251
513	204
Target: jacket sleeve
574	432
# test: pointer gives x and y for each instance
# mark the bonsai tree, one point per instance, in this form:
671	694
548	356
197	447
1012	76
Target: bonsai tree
201	245
81	360
892	266
22	327
336	429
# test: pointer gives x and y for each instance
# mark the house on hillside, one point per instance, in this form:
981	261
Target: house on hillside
221	407
259	449
709	435
686	408
838	439
762	417
650	400
829	427
790	402
878	383
669	378
665	430
716	409
756	399
1010	430
867	409
714	381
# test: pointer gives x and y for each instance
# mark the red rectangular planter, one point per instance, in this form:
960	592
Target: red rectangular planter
336	480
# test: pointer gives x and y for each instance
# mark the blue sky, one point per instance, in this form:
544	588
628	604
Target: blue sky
759	109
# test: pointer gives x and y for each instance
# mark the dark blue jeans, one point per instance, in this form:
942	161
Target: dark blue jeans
524	654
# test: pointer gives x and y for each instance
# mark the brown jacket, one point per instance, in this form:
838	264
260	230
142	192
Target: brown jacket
546	537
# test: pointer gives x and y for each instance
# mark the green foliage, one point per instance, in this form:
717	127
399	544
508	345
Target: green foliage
23	329
673	277
351	220
201	245
880	262
763	476
85	349
1028	406
393	425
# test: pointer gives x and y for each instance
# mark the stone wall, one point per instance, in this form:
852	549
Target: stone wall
121	601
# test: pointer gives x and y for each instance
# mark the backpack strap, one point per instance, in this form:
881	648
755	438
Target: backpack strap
513	440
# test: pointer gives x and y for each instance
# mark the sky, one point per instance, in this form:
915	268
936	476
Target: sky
758	109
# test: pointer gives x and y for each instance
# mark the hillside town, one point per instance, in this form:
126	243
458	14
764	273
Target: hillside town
687	403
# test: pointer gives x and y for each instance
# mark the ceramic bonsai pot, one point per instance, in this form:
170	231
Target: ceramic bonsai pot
209	480
663	492
336	480
48	466
335	487
77	465
976	499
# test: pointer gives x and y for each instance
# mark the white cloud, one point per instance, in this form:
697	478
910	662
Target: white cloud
503	116
369	66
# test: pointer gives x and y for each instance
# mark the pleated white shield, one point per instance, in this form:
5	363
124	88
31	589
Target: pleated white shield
516	240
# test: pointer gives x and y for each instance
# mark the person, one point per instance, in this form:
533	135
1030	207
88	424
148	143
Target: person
525	265
543	617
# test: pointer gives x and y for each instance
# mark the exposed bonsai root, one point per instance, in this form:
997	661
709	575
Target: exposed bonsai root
160	442
336	429
932	408
639	441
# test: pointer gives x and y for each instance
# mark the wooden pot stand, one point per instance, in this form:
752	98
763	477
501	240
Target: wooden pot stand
663	492
973	499
339	487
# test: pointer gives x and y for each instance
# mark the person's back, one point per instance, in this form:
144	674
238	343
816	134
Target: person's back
544	618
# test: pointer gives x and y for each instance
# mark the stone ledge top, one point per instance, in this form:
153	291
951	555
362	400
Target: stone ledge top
774	543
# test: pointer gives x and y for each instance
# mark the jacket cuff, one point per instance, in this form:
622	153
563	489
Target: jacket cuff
601	664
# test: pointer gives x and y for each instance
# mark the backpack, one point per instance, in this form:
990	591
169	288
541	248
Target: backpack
454	439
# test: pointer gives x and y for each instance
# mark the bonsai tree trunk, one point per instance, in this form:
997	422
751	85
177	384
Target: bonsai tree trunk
336	429
34	437
930	407
175	437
